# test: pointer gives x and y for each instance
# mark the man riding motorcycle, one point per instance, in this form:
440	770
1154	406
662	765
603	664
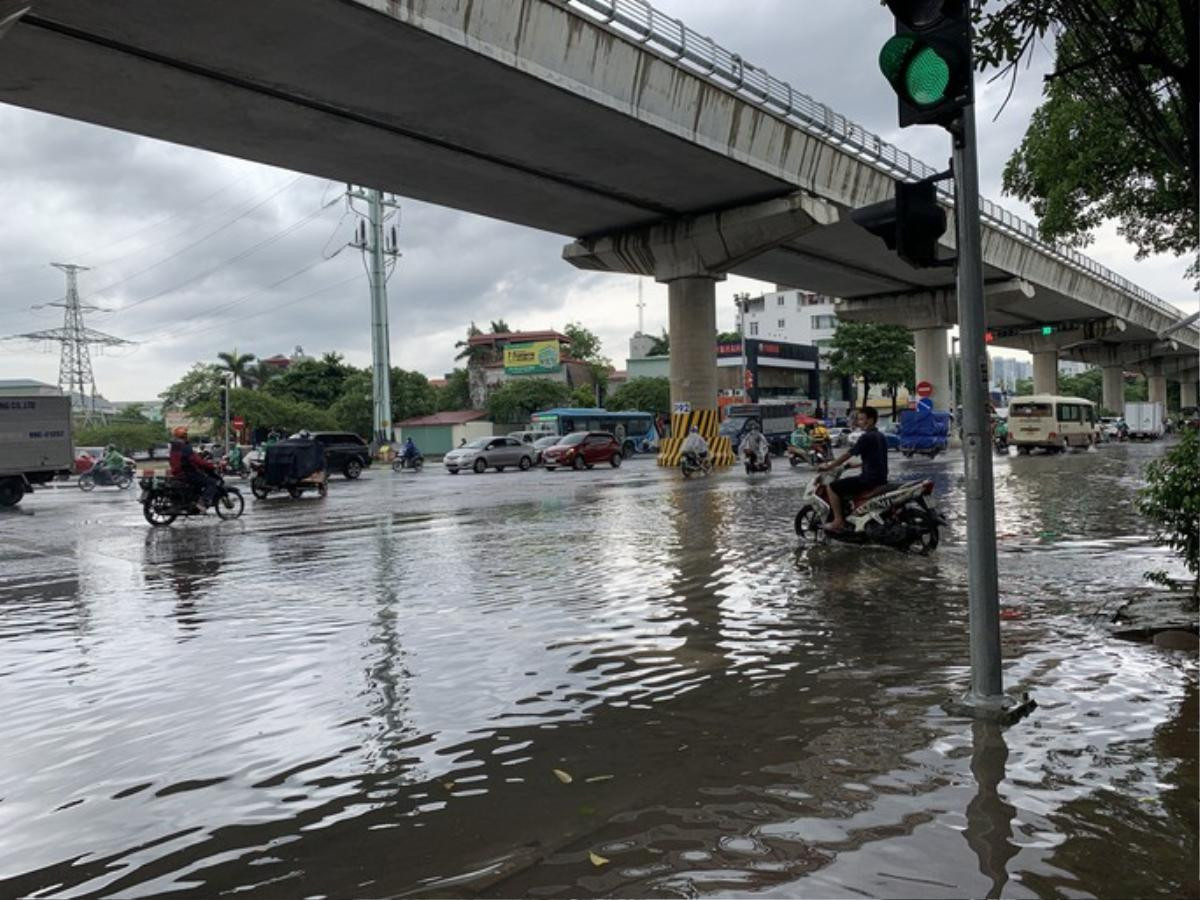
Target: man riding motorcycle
188	465
871	448
694	445
754	445
410	451
234	458
114	461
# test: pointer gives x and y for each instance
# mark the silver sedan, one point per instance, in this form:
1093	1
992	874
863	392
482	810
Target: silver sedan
489	453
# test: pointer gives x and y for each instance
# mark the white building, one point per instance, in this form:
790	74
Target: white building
790	316
1071	367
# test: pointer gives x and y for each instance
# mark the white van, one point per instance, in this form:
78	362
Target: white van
1051	422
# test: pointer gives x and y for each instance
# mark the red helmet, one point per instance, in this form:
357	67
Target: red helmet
180	431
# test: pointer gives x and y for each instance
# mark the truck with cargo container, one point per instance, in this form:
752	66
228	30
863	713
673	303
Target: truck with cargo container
1144	420
35	444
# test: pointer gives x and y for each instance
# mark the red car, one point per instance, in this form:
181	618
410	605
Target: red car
583	449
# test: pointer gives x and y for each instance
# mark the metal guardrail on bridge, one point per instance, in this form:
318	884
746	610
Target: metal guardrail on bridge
702	56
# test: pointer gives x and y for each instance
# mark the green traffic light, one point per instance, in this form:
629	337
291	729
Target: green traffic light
916	70
926	77
1047	329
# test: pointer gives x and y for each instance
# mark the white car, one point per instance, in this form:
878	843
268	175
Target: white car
490	453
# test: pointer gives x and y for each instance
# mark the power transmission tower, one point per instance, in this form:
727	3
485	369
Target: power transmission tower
75	364
371	240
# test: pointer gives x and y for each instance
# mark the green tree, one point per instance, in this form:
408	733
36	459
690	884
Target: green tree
1171	500
585	345
729	337
517	400
318	382
457	392
354	410
1089	385
474	354
263	410
128	436
642	395
1118	136
501	327
260	373
878	354
412	395
202	382
236	364
1023	387
584	396
661	345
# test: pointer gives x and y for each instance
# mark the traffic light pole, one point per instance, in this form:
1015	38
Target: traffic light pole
986	698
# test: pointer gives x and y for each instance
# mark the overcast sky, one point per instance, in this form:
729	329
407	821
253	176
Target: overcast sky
195	253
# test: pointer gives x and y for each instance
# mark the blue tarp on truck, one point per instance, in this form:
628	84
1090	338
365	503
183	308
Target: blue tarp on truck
922	431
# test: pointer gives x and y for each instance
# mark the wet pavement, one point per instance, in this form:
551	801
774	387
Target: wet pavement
606	683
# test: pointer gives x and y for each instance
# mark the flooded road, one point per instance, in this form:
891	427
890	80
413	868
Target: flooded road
605	683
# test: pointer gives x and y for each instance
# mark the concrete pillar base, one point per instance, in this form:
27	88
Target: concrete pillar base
1187	394
1045	372
692	324
1156	386
1113	396
933	364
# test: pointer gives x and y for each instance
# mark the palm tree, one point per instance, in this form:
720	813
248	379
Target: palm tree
237	365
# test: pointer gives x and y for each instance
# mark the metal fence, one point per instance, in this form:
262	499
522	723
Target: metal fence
669	37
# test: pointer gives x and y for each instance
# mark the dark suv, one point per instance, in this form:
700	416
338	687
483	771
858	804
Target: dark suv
344	452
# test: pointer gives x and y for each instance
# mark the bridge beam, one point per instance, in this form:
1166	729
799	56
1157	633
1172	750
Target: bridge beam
1113	388
1045	372
1127	354
933	363
709	243
1188	391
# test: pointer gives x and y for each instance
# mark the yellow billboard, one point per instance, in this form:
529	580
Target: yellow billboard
533	358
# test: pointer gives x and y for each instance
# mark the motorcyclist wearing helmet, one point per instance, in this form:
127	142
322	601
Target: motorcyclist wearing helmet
188	465
410	450
694	444
754	445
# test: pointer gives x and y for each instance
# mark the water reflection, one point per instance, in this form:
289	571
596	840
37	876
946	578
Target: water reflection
989	816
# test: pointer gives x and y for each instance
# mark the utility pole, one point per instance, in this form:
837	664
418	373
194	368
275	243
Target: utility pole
228	379
75	375
641	308
370	239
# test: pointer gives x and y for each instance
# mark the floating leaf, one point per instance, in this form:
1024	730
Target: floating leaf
596	778
562	776
448	785
597	859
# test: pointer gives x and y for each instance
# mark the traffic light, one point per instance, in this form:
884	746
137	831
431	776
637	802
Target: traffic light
988	337
910	223
928	60
1047	330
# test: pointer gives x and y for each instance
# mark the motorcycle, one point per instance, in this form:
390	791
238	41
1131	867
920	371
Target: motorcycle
815	455
901	516
1000	444
400	463
102	476
164	499
754	464
690	464
239	471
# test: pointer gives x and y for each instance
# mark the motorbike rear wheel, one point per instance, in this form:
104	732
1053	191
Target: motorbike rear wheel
229	504
925	523
124	481
158	509
258	487
87	482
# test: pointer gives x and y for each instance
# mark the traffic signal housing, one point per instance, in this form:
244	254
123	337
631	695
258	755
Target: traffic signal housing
910	223
928	60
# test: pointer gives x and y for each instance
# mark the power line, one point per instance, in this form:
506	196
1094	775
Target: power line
240	256
108	287
263	312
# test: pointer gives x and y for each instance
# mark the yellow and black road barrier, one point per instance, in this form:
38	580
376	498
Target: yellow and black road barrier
707	422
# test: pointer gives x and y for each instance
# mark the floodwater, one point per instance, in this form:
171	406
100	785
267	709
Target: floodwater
610	683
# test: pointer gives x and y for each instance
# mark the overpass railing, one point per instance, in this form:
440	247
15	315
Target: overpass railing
669	37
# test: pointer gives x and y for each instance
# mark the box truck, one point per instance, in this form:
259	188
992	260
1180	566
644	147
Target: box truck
1145	420
35	444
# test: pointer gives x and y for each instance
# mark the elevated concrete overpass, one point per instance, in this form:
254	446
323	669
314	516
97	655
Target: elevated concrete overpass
600	120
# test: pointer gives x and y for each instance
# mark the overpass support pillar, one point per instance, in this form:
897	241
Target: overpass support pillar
933	364
692	324
1045	372
1187	393
1113	387
1157	387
